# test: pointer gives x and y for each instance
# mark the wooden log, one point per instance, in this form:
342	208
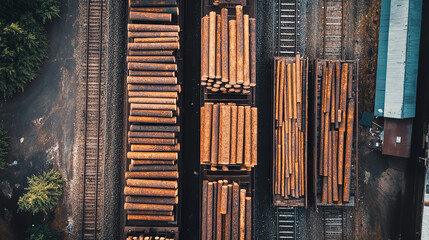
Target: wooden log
248	136
205	25
204	216
242	214
224	135
337	99
218	73
289	92
152	3
152	175
218	213
207	130
227	234
214	155
224	45
152	183
210	210
240	43
153	155
157	167
224	200
138	119
157	192
325	190
246	56
240	134
151	162
154	128
152	100
234	113
132	134
152	73
146	94
150	218
232	52
153	28
151	113
154	46
149	212
151	106
152	35
151	141
254	136
329	167
212	45
153	67
252	29
348	152
334	144
152	200
248	218
154	88
152	59
235	218
343	106
172	10
148	16
322	122
277	89
298	78
281	90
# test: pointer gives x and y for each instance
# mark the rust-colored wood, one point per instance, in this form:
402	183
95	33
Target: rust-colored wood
242	214
153	200
149	218
205	48
235	218
232	52
153	28
240	43
151	134
152	35
155	148
248	136
348	152
154	46
224	134
218	47
154	88
248	218
210	211
153	175
252	29
234	113
153	67
157	192
148	16
152	141
151	183
153	155
240	134
224	45
246	56
215	135
207	130
212	45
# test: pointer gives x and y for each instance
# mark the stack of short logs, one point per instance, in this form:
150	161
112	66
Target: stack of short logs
226	211
229	135
152	178
337	119
228	52
290	163
148	237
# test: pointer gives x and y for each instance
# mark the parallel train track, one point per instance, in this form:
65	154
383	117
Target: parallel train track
333	33
287	27
333	223
93	132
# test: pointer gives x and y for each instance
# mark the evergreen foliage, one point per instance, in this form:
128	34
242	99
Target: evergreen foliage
42	232
43	193
3	148
23	43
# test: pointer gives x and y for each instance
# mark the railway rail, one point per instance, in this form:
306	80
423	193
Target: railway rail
93	132
333	223
333	33
286	223
287	27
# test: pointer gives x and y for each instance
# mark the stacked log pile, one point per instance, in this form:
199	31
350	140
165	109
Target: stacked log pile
228	52
290	109
226	211
148	237
336	130
229	135
153	91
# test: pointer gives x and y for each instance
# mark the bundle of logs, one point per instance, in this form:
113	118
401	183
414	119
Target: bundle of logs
152	178
150	237
228	52
226	211
290	166
337	111
229	135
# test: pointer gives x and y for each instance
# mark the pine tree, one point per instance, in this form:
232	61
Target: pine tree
42	232
43	193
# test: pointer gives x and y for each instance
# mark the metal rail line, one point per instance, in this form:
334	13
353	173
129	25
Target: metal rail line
333	223
286	223
286	27
93	142
333	34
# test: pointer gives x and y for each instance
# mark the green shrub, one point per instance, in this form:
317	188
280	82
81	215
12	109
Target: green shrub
23	44
42	193
42	232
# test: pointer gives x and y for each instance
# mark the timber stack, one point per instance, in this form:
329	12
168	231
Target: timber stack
290	131
153	90
335	137
228	121
228	52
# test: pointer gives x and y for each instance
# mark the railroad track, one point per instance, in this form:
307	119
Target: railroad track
333	223
286	223
333	29
93	133
287	27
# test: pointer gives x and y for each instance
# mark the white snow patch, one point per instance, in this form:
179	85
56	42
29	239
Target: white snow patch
53	153
21	140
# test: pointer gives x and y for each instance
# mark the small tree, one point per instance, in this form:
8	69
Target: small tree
3	148
43	193
42	232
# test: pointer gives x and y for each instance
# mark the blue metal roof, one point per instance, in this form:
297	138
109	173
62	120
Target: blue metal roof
398	56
